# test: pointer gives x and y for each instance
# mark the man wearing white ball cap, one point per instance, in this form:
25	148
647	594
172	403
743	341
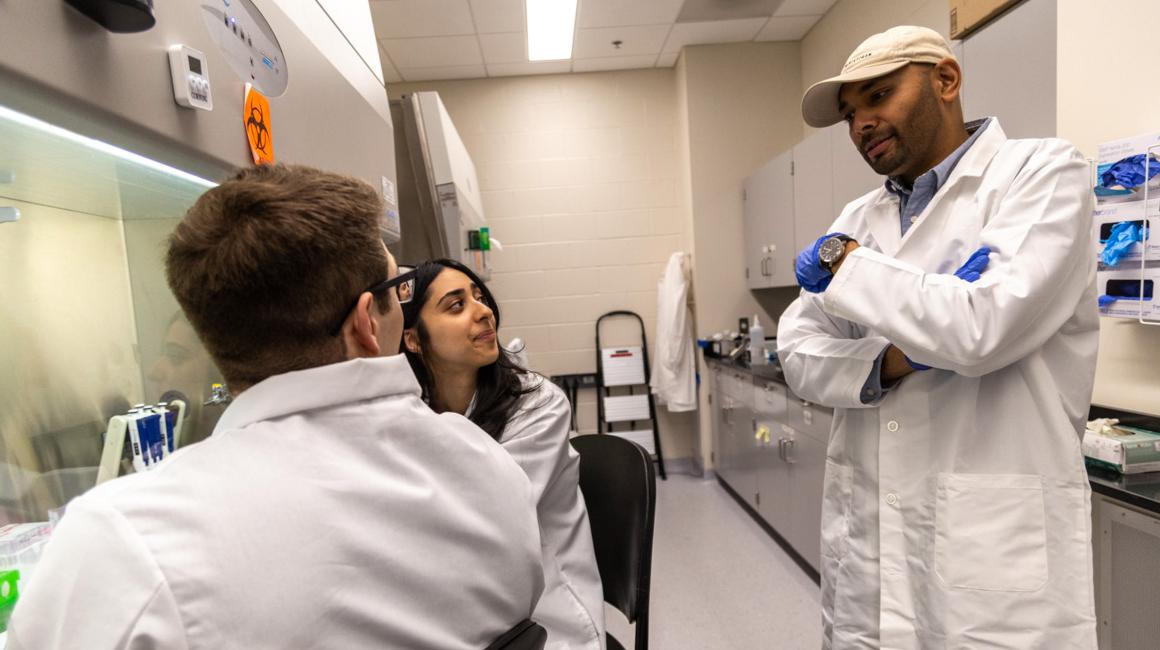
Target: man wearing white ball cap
950	319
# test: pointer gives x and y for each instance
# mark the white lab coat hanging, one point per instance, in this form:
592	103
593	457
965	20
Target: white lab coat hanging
674	375
957	509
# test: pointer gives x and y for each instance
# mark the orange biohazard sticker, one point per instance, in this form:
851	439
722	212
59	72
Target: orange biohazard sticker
259	132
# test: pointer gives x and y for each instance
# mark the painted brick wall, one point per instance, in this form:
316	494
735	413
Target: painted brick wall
581	183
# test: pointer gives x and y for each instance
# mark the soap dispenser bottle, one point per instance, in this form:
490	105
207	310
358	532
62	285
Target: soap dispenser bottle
756	343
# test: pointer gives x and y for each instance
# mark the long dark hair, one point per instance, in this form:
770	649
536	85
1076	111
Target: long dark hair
499	385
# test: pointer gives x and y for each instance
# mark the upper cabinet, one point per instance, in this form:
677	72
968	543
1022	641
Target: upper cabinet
769	217
852	175
794	198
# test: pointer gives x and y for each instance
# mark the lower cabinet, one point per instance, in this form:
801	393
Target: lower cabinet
1126	549
776	468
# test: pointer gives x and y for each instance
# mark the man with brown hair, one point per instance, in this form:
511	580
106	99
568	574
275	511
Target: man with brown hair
331	507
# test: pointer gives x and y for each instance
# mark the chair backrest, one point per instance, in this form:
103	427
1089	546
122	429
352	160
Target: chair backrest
527	635
619	487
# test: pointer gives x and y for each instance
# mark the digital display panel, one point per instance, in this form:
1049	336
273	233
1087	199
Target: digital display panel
194	65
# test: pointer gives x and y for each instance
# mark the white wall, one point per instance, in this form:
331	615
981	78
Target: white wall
580	177
736	113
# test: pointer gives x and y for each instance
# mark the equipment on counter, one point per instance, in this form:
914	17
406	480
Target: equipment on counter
1127	450
154	433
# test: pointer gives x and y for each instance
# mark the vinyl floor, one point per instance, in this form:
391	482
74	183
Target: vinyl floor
719	582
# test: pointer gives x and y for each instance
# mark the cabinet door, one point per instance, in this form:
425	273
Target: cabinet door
853	176
747	453
716	399
813	205
807	458
755	194
773	481
726	450
769	223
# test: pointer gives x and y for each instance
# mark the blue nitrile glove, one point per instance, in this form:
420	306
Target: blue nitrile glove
1129	172
811	275
969	271
1104	301
1124	235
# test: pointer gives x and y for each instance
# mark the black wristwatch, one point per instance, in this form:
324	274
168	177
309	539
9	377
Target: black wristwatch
832	250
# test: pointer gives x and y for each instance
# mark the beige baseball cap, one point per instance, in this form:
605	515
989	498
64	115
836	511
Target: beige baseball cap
878	55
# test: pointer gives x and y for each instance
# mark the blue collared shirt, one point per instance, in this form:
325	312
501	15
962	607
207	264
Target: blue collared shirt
911	202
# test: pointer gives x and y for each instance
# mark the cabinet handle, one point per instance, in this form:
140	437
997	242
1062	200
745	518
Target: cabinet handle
764	270
788	447
781	448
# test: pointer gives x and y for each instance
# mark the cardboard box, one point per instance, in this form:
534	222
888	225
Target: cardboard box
1107	215
969	15
1125	281
1128	451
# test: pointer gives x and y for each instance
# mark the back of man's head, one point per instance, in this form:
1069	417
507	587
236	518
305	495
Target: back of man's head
266	262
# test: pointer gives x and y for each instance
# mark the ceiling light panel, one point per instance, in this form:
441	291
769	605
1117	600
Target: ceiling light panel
551	27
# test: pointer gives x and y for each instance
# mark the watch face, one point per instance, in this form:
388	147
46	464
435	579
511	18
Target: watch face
831	250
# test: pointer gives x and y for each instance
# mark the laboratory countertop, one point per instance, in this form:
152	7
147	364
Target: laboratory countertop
1139	490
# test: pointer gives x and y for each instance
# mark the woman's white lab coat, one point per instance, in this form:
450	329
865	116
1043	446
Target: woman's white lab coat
956	509
572	606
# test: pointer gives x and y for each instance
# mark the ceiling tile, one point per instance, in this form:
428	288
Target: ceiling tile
721	31
804	7
504	48
613	13
435	52
614	63
528	67
498	16
667	59
593	43
787	28
700	11
413	18
446	72
390	74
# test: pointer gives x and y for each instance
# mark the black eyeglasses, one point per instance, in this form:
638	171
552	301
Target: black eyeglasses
403	283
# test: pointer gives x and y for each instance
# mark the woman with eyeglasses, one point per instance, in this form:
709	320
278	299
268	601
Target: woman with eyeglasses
450	337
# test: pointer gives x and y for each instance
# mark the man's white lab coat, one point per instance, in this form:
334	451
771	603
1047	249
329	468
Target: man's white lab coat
572	607
330	509
956	510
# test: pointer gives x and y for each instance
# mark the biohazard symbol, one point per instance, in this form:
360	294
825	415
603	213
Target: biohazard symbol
259	131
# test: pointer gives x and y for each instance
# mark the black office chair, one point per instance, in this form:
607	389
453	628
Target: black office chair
527	635
619	487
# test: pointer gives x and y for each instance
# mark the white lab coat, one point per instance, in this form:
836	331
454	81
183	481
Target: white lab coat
330	509
674	371
572	606
957	509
